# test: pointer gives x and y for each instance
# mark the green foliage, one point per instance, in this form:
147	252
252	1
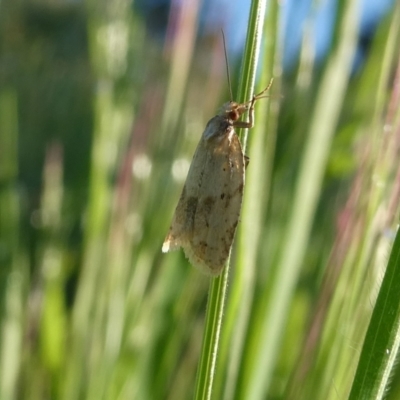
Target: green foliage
94	148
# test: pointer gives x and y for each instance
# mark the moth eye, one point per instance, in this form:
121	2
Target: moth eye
233	115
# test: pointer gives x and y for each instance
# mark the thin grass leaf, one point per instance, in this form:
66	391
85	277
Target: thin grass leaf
265	340
217	292
382	341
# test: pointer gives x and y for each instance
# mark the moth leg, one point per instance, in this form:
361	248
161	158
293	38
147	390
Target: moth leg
246	161
250	123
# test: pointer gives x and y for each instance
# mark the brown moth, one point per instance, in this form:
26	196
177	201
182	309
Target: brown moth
208	210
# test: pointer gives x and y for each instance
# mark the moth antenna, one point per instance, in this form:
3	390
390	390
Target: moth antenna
227	65
260	95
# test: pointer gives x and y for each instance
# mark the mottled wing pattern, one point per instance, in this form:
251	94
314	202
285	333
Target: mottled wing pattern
218	209
208	211
182	225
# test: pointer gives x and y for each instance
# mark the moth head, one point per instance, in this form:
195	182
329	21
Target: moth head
233	110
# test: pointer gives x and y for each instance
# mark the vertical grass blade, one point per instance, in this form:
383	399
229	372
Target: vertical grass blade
12	263
258	178
265	340
381	344
217	292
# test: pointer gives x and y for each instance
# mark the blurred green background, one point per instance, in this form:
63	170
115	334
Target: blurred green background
99	118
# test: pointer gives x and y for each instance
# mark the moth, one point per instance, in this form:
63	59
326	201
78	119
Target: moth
208	211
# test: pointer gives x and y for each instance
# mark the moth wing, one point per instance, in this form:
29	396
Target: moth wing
208	210
219	204
182	225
